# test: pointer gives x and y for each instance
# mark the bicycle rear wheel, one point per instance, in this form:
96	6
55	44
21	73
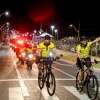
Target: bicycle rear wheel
51	84
92	87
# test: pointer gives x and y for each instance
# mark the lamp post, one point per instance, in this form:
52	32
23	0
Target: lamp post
6	13
77	30
52	28
56	31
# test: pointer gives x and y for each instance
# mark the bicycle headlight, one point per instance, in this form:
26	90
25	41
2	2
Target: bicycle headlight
50	54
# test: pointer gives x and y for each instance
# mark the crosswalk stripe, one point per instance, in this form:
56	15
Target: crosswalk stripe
15	94
47	96
35	79
4	53
73	90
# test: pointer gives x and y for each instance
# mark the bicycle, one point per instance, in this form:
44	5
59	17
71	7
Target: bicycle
90	81
45	75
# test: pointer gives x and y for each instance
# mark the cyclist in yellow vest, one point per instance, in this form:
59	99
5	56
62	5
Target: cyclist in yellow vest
83	52
46	46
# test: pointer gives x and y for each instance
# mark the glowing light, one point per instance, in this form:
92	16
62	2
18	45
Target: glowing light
20	41
52	27
7	13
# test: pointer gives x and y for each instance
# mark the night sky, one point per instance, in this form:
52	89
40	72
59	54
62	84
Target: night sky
27	15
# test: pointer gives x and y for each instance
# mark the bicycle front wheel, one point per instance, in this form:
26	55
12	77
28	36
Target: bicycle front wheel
41	79
77	81
92	87
51	84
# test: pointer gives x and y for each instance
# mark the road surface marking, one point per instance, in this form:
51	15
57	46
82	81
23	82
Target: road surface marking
47	96
35	79
76	93
15	94
21	82
4	53
35	68
64	72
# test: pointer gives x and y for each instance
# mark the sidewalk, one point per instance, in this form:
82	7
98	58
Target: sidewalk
71	58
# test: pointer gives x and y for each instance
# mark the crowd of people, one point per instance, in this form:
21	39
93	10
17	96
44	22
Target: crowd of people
67	43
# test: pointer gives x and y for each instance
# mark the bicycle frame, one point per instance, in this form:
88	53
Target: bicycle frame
47	62
88	71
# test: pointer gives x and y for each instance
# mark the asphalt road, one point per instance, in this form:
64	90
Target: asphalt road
16	83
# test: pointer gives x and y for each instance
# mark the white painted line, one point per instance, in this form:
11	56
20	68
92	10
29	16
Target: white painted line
64	72
21	82
73	90
57	79
35	68
7	80
35	79
4	53
47	96
15	94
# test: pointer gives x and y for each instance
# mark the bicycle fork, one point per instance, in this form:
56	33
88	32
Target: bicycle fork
48	76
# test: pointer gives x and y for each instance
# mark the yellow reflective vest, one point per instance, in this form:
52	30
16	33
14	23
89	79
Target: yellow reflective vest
84	52
44	50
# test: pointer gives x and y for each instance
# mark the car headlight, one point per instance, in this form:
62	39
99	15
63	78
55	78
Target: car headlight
30	56
23	54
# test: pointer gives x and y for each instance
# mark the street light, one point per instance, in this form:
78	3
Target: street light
52	28
7	13
56	31
7	23
77	30
71	25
